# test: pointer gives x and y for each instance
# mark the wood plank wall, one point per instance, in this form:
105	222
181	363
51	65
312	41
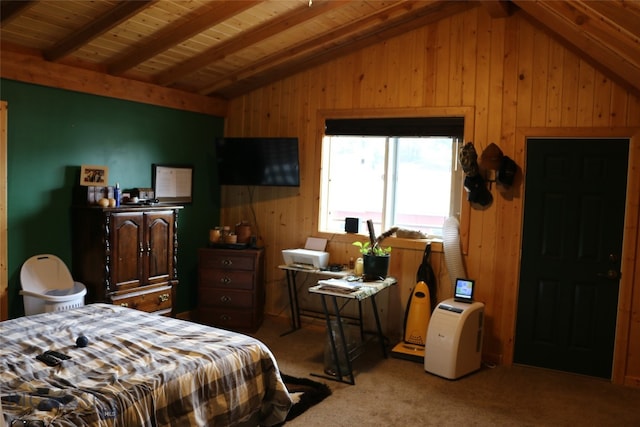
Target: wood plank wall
518	81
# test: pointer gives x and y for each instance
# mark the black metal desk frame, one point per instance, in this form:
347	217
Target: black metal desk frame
348	377
291	273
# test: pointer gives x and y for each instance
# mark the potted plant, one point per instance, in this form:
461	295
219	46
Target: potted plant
375	257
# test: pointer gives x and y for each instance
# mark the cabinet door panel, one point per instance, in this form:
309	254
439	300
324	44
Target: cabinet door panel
126	250
159	246
127	255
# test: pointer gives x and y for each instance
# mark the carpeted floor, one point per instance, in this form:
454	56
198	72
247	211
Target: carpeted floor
393	392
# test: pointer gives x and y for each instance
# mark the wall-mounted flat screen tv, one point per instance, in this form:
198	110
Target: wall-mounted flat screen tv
258	161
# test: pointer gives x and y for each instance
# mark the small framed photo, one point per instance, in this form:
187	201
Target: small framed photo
94	175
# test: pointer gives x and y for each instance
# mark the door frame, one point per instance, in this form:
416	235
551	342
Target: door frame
630	262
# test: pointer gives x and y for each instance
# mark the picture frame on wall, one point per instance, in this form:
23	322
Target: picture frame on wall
92	175
173	183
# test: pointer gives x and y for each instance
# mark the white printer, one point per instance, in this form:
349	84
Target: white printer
312	256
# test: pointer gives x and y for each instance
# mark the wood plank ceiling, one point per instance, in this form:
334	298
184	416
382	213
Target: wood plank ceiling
226	48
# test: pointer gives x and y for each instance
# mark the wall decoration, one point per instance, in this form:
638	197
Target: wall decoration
94	175
477	193
173	184
490	160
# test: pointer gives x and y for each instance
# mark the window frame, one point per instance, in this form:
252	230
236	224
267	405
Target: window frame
467	113
390	189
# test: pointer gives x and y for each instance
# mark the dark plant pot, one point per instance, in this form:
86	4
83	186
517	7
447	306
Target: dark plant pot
375	267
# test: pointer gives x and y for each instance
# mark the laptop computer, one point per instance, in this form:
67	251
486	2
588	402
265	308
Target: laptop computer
464	290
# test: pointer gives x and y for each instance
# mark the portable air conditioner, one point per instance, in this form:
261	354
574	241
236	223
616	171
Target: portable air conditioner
454	339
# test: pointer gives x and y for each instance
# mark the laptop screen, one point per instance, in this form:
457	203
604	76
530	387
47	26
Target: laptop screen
464	290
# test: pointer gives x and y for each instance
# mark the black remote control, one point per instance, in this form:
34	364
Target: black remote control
48	359
57	355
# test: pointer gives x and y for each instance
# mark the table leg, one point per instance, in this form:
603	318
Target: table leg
293	302
378	325
360	320
334	348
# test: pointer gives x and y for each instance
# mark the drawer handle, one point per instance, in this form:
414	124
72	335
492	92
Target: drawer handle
163	297
225	317
124	304
225	298
227	262
226	280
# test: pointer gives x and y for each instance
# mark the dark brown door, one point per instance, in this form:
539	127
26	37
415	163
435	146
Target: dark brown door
126	255
159	247
574	207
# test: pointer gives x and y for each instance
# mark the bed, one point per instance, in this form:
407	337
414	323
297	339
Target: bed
138	369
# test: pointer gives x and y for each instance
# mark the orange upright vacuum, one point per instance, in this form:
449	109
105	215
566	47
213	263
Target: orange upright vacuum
418	314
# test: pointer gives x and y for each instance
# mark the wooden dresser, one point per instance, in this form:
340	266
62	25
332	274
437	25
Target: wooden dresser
127	255
231	291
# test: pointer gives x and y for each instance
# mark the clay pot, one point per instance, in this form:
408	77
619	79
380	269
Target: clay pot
243	231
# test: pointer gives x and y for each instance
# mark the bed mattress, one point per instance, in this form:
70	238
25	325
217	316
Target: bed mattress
138	369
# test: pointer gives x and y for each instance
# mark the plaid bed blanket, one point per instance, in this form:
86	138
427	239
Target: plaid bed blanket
138	369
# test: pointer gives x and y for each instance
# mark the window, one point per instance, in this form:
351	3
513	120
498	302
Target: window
412	182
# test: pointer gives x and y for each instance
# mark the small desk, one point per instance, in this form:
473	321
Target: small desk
359	291
292	271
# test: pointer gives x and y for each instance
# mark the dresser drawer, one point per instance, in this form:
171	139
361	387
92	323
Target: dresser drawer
226	279
229	318
228	260
231	288
226	298
157	299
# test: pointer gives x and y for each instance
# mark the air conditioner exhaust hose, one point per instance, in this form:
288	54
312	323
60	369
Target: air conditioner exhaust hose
452	250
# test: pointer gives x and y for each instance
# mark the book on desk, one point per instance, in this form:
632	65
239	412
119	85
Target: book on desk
340	286
345	287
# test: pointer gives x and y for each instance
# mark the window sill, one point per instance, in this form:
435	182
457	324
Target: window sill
394	242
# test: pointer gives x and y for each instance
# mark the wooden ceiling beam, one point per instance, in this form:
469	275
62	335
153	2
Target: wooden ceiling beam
497	8
598	28
260	74
245	39
173	36
10	9
604	33
33	69
623	14
123	11
573	33
392	15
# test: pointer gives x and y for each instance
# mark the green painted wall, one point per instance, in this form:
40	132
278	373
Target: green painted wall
52	132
